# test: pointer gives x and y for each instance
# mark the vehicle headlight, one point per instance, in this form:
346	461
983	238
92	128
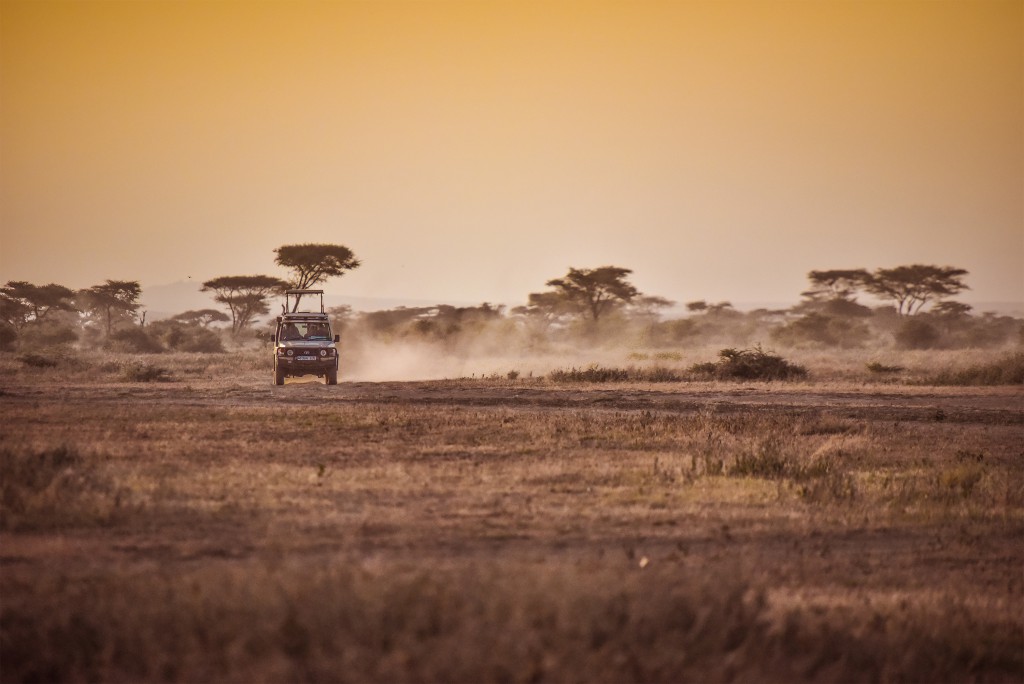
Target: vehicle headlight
291	353
323	352
280	352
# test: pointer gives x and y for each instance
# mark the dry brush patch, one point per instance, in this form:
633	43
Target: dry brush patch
268	535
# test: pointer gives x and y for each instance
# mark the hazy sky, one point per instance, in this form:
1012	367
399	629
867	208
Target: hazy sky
470	151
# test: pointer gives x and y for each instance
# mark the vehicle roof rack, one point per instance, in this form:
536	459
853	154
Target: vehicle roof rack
295	296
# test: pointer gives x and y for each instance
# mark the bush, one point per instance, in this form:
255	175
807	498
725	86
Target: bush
1008	370
187	338
133	340
8	337
750	364
830	331
876	367
917	334
47	334
38	361
202	341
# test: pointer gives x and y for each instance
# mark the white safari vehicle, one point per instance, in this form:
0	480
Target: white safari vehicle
303	343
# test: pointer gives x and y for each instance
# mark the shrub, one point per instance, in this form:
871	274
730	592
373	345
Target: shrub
47	334
38	361
8	337
1008	370
959	481
876	367
830	331
750	364
917	334
187	338
133	340
766	461
203	341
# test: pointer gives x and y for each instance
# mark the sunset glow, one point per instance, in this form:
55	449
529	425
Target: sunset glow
469	151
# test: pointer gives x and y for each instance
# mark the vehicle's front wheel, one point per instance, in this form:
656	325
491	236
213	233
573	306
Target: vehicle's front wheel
332	376
278	376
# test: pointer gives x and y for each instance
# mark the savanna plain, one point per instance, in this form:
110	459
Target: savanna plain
189	521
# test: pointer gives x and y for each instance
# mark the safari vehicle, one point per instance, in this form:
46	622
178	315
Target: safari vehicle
303	344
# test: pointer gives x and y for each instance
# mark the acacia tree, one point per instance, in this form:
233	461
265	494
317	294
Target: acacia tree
911	287
113	300
202	317
649	306
245	296
22	302
836	284
834	293
312	264
593	292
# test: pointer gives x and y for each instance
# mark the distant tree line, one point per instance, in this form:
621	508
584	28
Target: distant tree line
593	306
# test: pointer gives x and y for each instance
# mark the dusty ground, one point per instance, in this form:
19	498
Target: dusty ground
512	530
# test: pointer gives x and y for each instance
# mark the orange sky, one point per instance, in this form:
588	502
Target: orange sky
470	151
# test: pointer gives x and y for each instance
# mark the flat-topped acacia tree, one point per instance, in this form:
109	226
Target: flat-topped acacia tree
201	317
245	296
312	264
22	302
911	287
594	291
113	300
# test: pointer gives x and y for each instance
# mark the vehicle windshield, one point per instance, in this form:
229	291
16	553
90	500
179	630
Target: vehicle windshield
300	330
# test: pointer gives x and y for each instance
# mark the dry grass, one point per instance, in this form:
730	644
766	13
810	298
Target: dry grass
872	367
218	528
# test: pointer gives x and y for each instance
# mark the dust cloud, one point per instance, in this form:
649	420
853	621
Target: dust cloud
444	342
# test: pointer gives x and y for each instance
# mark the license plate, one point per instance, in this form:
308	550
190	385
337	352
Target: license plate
305	358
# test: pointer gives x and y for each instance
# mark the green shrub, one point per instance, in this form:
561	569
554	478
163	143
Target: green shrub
750	364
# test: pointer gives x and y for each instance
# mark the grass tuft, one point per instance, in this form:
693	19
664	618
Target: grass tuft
881	368
38	361
1008	370
596	373
53	488
135	371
